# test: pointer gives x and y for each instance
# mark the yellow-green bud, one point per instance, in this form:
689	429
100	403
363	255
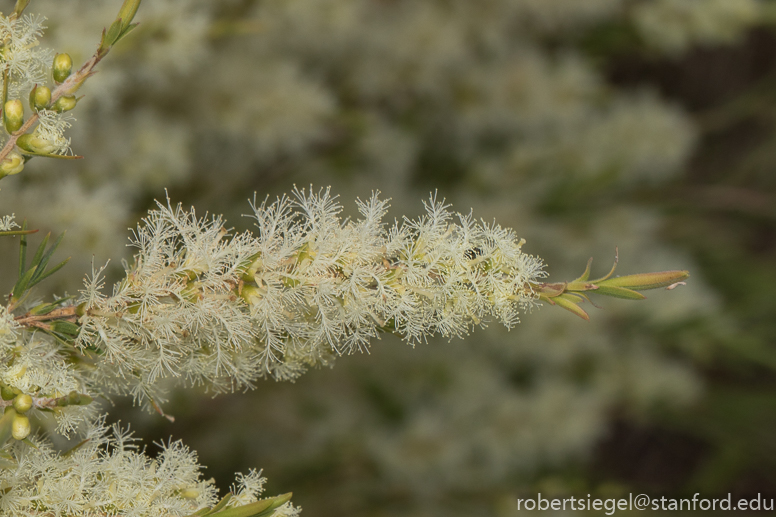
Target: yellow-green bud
250	294
62	67
34	144
22	403
7	393
65	103
40	97
20	429
74	399
189	493
12	164
13	115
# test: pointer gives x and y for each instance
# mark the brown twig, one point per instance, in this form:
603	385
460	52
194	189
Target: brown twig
38	321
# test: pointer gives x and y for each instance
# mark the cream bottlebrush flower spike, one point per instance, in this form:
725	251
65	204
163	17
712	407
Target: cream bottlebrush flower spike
207	307
228	310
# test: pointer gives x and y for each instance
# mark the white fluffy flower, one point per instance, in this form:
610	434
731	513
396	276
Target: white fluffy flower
27	63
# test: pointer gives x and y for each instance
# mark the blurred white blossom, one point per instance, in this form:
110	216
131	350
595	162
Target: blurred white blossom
675	25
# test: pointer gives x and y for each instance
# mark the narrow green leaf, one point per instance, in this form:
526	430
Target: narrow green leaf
221	504
45	308
54	269
619	292
586	274
261	508
648	280
18	232
129	29
569	305
572	297
102	46
128	11
113	32
45	259
21	285
65	327
20	6
41	249
29	442
614	266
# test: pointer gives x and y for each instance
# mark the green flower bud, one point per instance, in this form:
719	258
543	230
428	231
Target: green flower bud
190	493
74	399
40	97
7	393
34	144
22	403
20	429
12	164
62	67
65	103
250	294
13	115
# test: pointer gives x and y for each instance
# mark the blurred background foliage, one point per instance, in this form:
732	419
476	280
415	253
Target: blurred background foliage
585	125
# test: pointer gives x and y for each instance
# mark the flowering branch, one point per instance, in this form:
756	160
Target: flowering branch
60	99
206	306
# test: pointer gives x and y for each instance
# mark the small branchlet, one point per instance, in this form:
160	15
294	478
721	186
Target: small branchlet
569	295
37	271
42	133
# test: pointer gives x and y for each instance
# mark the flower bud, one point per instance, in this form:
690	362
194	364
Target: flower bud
65	103
12	164
190	493
20	429
62	67
74	399
250	294
34	144
78	399
40	97
22	403
7	393
13	115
